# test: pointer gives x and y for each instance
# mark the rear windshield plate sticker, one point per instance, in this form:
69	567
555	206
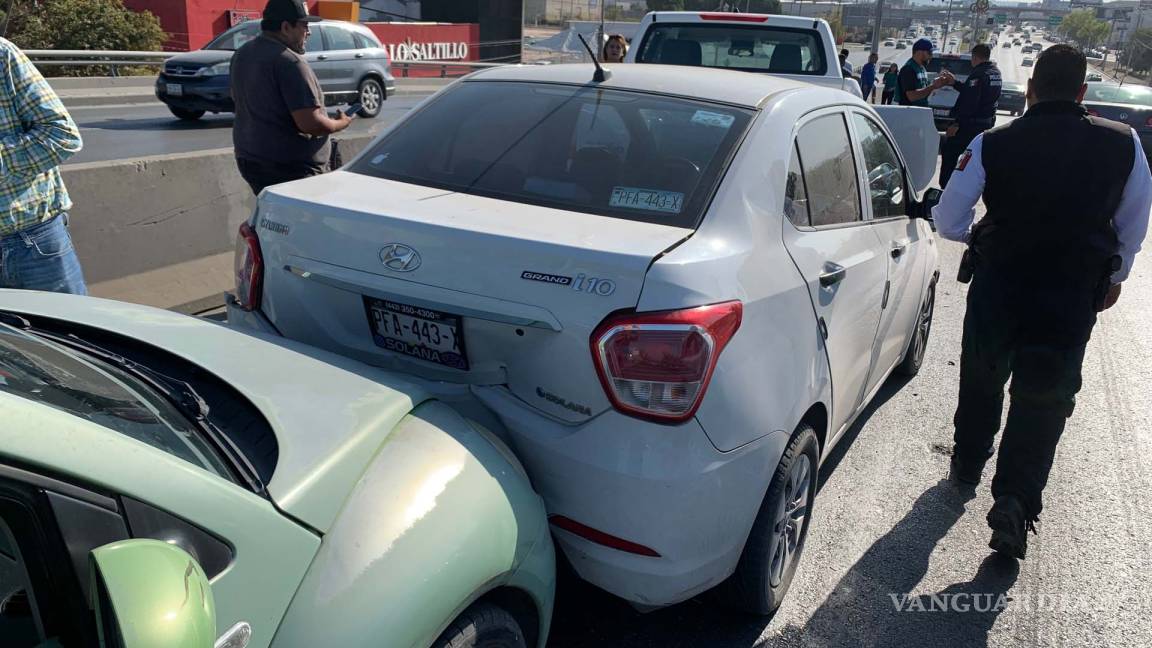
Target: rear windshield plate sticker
669	202
706	118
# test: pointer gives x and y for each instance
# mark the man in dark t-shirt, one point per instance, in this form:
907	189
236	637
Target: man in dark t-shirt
281	129
912	87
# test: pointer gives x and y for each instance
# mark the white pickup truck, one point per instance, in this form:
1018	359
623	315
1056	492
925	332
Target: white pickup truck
793	47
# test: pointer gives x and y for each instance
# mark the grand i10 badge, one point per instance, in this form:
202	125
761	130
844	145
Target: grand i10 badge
590	285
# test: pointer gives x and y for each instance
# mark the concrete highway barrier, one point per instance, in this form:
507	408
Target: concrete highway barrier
161	230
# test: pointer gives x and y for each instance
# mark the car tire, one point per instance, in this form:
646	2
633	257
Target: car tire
186	115
774	545
372	96
918	344
483	626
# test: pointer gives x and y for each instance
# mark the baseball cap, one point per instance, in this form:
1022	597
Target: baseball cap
288	10
922	44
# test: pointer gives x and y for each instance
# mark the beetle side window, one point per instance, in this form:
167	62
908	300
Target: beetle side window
885	177
795	193
829	171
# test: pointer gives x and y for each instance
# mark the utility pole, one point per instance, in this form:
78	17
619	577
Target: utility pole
876	29
600	31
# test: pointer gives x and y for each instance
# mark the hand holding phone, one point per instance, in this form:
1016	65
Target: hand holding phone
353	111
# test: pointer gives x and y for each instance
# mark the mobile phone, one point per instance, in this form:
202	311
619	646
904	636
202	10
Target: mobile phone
353	110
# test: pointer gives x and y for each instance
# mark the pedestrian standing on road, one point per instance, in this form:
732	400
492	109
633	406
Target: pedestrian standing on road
868	78
1058	240
615	49
845	66
890	81
912	87
281	131
36	136
975	109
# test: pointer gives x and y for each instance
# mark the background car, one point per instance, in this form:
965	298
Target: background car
1128	104
1028	61
889	43
349	61
326	502
1013	98
942	100
1094	76
718	268
901	45
1006	45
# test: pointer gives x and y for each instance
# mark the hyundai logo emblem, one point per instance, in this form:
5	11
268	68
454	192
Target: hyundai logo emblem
399	257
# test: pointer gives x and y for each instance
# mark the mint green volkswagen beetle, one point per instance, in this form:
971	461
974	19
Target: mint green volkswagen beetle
167	482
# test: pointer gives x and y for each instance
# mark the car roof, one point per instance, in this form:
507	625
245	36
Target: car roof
725	18
708	84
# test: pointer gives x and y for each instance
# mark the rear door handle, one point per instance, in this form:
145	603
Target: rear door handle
359	56
899	248
322	57
833	274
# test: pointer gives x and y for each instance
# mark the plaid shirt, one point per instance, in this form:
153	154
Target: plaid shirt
36	135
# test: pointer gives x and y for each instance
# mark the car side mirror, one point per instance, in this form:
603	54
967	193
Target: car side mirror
923	209
149	593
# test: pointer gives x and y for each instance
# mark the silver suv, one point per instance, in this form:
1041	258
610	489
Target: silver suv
348	60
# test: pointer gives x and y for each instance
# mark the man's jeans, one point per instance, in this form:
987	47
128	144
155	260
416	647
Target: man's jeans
41	258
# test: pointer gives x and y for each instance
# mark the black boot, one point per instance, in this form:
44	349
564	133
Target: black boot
1010	526
965	472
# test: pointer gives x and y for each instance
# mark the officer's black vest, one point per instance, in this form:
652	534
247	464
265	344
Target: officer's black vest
1054	178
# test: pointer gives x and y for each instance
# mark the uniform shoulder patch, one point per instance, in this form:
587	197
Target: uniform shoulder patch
963	161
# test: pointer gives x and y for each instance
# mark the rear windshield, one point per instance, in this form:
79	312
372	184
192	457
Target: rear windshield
959	67
750	48
623	154
1139	95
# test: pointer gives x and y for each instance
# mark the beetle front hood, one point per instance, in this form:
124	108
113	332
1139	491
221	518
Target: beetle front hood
330	414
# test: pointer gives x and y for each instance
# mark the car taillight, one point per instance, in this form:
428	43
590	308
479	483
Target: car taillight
656	366
1148	122
249	265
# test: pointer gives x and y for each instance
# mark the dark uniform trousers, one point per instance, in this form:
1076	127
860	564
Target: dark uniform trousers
259	175
1044	254
955	146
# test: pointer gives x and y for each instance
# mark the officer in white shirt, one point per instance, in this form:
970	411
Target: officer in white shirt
1058	240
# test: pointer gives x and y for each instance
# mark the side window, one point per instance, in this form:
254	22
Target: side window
315	42
829	171
795	193
885	177
339	39
363	42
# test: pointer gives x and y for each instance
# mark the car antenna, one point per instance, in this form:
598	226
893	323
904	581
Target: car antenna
601	74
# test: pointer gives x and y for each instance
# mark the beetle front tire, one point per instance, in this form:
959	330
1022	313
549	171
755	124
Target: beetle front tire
483	626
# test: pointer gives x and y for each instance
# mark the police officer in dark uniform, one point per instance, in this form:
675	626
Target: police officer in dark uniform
975	109
1058	240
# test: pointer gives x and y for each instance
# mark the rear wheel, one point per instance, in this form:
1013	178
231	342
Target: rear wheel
483	626
766	567
186	115
914	357
371	97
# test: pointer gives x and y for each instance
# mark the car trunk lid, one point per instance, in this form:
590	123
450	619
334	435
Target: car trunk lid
451	286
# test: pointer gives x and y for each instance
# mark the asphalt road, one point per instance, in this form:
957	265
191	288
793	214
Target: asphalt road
136	130
886	525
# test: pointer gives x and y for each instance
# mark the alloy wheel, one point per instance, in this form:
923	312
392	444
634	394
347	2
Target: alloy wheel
792	509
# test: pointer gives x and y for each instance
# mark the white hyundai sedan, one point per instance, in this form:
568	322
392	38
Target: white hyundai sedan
671	291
